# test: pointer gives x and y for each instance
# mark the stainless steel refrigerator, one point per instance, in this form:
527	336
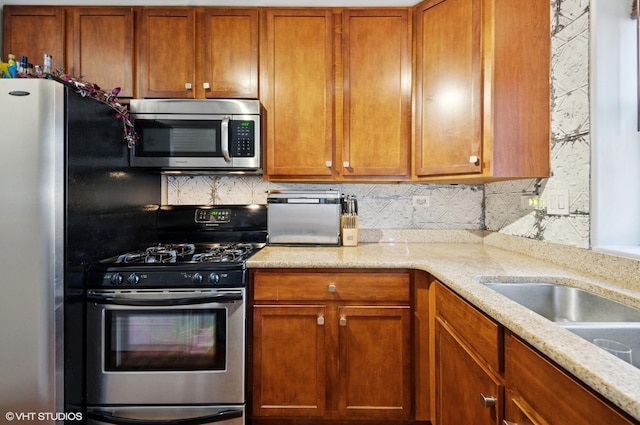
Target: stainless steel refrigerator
67	198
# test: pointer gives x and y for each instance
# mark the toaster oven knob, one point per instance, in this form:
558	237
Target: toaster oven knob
196	278
214	278
133	279
116	279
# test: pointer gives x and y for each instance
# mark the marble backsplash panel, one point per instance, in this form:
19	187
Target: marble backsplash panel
381	206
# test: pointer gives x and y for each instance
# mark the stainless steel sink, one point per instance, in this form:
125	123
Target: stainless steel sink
584	313
560	303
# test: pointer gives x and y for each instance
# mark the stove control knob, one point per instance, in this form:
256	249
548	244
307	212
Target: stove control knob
133	279
214	278
196	278
116	279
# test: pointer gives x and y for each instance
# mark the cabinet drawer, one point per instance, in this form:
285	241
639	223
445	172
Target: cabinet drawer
314	286
478	331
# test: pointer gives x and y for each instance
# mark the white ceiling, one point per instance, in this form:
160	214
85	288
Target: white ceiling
287	3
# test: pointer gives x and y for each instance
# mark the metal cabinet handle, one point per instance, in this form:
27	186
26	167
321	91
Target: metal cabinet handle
345	164
187	86
474	159
328	164
506	422
343	321
320	320
331	288
487	401
206	86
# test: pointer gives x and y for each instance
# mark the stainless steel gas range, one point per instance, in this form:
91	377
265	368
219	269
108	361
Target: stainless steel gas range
166	324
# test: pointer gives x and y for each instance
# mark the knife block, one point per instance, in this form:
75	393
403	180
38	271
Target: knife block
349	229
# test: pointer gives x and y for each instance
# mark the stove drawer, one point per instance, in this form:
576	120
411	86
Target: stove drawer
291	285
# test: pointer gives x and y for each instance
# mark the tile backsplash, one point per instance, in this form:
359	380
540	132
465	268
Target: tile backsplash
381	206
496	206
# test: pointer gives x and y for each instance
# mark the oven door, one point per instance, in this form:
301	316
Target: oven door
166	347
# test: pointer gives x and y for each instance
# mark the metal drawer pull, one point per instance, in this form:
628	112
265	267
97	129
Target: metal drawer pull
488	401
474	159
506	422
343	321
332	288
320	320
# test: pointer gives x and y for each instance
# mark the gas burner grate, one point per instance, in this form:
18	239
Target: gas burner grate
158	254
232	253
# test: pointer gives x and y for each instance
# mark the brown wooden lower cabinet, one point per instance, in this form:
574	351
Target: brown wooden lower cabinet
484	374
468	388
327	346
540	393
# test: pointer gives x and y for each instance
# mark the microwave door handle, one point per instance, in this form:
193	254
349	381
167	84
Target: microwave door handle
167	302
223	415
224	136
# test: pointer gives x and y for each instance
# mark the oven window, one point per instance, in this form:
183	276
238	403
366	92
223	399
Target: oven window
175	340
178	138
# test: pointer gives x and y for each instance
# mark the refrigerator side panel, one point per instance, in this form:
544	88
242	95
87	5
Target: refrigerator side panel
31	224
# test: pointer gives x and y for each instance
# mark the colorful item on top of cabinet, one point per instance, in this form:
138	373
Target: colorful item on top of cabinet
9	69
13	69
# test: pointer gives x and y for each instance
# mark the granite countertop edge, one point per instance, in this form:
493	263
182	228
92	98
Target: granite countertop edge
614	379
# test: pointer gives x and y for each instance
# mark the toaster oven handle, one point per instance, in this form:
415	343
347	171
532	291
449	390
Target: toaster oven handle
224	138
166	302
223	415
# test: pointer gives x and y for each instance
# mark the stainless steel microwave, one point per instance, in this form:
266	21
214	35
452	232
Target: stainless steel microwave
209	135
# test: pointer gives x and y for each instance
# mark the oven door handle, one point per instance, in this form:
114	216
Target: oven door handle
163	302
223	415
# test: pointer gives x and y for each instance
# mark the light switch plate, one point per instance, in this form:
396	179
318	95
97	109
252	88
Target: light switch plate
557	202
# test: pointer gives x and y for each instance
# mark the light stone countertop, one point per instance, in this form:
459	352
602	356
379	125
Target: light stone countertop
462	267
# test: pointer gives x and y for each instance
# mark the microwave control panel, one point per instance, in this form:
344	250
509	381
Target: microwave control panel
242	138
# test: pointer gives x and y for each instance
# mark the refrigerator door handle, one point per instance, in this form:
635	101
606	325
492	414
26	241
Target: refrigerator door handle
109	418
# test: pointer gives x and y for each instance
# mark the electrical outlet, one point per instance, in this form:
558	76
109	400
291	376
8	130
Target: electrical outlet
557	201
421	200
529	202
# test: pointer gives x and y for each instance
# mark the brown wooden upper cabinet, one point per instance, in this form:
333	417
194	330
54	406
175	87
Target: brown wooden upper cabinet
336	85
297	91
101	47
197	53
230	44
482	90
376	85
32	32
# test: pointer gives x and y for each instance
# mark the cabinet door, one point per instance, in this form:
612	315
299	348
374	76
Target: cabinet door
34	31
449	88
289	360
297	90
460	383
377	93
167	54
101	47
374	362
230	43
